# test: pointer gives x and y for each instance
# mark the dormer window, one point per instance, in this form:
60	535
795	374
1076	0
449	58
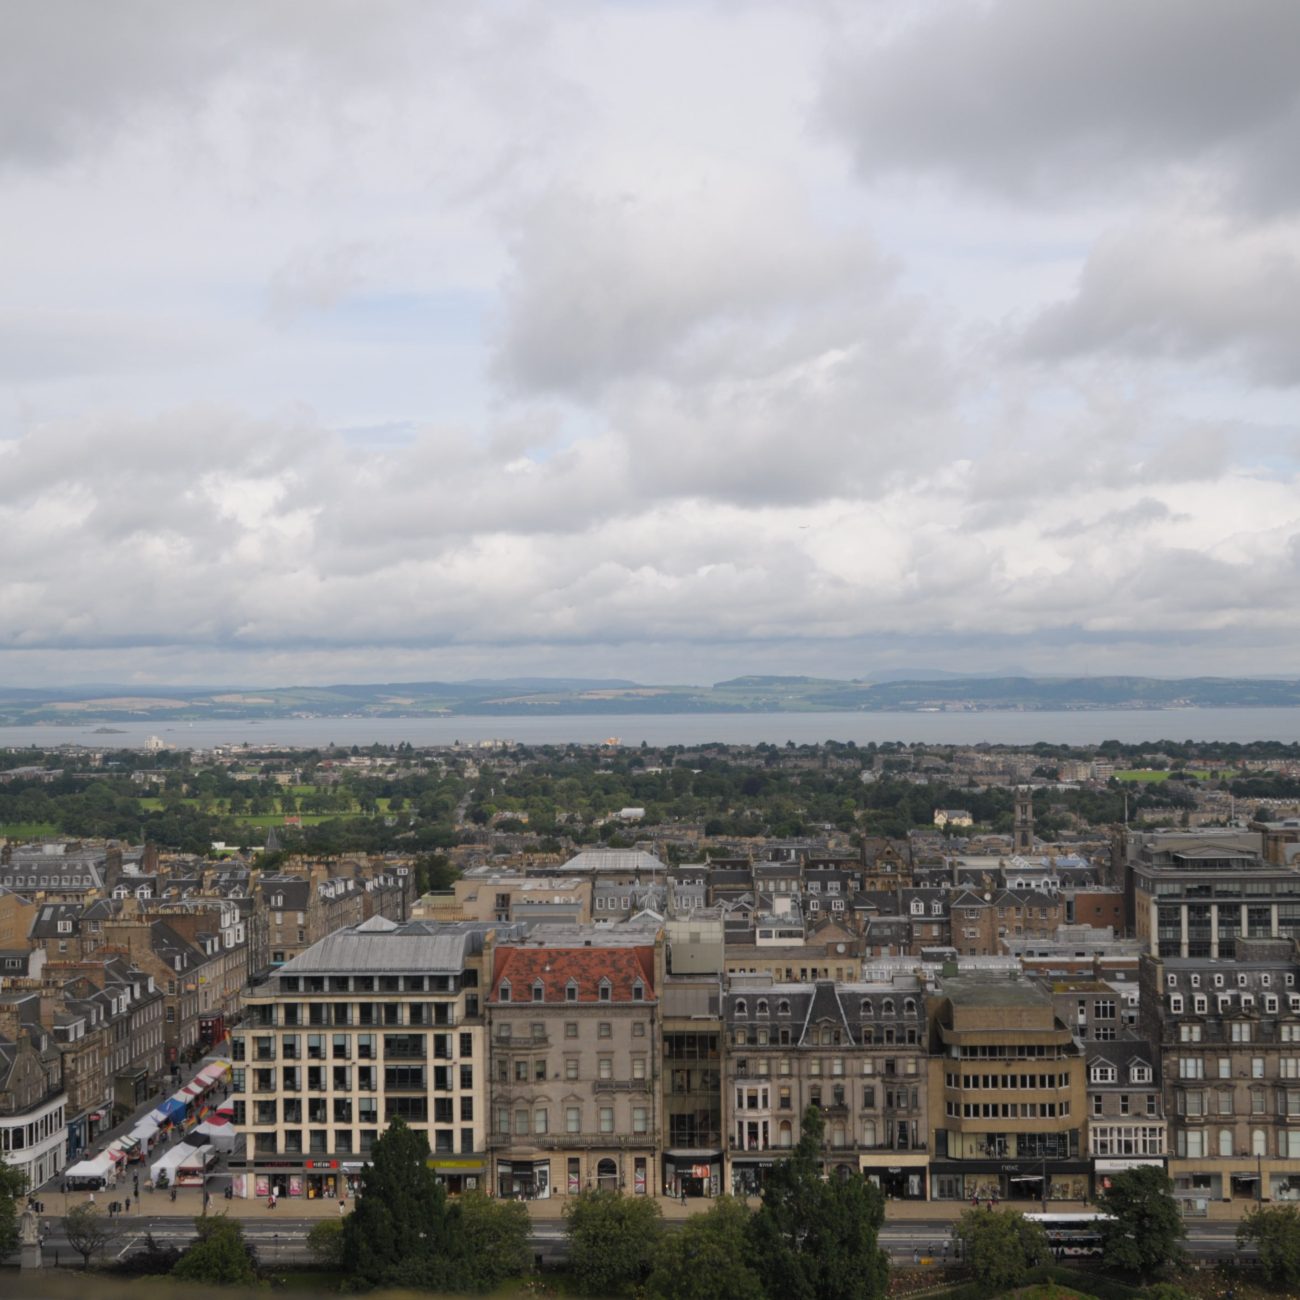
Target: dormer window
539	991
638	992
742	1007
887	1007
1103	1074
909	1006
277	901
783	1008
571	991
918	907
504	992
606	991
1218	981
762	1006
1140	1074
866	1009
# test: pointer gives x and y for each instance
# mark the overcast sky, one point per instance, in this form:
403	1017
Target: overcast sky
370	340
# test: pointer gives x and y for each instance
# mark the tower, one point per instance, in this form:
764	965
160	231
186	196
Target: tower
1022	832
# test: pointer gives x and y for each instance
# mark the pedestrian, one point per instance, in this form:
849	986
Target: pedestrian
92	1198
270	1201
342	1209
916	1259
683	1195
128	1205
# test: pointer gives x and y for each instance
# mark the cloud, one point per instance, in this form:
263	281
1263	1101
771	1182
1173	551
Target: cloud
1057	101
1185	291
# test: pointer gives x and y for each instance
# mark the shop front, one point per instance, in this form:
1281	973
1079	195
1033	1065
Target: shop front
693	1172
902	1179
1010	1180
749	1174
323	1180
467	1173
1106	1169
527	1180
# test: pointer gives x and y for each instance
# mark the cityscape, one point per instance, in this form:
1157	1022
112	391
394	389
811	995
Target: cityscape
649	649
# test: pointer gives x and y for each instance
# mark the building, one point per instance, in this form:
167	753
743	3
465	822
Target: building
692	1084
1007	1096
1228	1034
33	1124
854	1050
376	1021
1195	893
575	1062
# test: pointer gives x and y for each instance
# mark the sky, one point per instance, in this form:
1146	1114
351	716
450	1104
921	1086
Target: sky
366	340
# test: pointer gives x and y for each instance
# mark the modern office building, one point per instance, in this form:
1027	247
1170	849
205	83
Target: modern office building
376	1021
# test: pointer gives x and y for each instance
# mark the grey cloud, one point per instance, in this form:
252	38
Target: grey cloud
1184	291
1053	100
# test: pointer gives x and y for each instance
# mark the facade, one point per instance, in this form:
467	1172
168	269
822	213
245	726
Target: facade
692	1085
854	1050
1228	1034
1007	1098
1126	1123
376	1021
575	1063
33	1135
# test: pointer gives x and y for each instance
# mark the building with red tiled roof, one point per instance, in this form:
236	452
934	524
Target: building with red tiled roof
573	1101
595	974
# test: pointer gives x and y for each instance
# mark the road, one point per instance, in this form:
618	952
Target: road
284	1241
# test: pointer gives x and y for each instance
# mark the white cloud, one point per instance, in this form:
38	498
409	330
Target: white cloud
398	340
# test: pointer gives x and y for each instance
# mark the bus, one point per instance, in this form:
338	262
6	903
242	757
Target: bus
1072	1236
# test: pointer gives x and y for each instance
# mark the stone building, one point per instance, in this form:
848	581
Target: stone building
855	1050
575	1102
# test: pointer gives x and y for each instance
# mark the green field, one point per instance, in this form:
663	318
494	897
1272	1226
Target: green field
27	830
1145	776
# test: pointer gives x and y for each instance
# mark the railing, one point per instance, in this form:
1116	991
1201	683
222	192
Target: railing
620	1085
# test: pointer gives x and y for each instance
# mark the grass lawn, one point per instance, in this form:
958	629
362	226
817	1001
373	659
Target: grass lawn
1144	776
27	830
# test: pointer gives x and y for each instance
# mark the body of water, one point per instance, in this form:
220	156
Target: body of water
1073	728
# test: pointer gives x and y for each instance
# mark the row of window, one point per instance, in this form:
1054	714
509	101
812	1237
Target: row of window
526	1122
365	1110
444	1078
537	1030
537	991
377	983
1200	1067
536	1069
899	1098
1127	1140
1195	1103
999	1081
866	1008
289	1047
1193	1143
18	1137
350	1142
1125	1104
834	1066
1223	1003
1006	1109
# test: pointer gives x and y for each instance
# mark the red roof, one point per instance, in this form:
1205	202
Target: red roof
584	967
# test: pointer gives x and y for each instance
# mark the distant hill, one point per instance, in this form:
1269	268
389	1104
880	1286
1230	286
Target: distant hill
510	697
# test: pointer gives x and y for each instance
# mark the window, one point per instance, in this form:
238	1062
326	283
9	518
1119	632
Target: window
639	1124
503	992
539	991
606	992
570	1029
607	1119
604	1029
571	991
573	1119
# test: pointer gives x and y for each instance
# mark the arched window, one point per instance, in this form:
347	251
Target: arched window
762	1007
785	1134
866	1009
869	1133
1225	1142
607	1175
742	1007
887	1009
504	992
783	1008
909	1006
1258	1143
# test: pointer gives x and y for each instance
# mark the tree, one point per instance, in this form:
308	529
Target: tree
400	1232
1275	1234
612	1240
12	1186
1000	1249
220	1255
87	1231
815	1238
1144	1233
708	1259
325	1241
492	1242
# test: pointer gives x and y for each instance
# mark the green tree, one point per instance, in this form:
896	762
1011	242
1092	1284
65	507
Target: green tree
87	1231
1144	1234
325	1241
612	1240
400	1232
1000	1249
220	1255
491	1240
816	1238
12	1186
708	1259
1274	1231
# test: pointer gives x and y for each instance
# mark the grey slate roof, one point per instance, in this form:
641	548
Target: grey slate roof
416	946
